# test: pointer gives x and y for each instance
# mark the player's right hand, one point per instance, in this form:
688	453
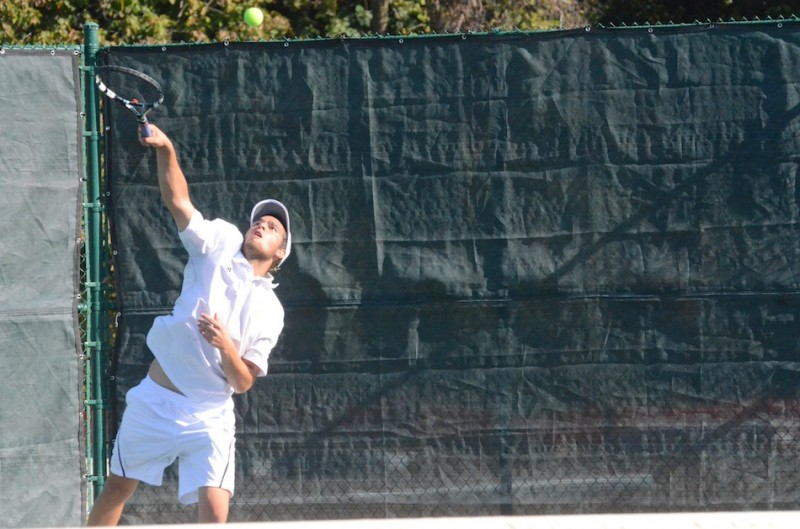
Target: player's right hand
156	139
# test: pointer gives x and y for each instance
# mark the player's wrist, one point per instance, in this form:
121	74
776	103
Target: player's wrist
166	148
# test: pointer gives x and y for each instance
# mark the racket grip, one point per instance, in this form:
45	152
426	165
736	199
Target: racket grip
146	132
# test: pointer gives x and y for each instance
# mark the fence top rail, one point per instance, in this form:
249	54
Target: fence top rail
493	32
53	49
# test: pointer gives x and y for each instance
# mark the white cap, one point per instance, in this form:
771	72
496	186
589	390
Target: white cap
277	210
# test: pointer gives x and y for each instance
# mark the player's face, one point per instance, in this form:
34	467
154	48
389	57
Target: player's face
265	239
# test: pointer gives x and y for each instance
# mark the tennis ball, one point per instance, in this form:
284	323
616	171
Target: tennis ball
253	16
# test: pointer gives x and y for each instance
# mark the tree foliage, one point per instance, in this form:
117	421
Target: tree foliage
683	11
163	21
49	22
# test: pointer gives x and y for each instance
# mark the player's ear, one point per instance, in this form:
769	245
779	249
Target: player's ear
281	253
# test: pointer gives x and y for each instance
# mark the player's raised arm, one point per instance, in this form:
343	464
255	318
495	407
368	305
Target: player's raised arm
171	180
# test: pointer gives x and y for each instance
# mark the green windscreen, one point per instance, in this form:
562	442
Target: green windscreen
531	273
41	452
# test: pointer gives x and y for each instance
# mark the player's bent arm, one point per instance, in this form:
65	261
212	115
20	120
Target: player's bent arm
240	372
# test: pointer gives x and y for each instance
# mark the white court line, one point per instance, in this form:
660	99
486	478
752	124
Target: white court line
691	520
722	520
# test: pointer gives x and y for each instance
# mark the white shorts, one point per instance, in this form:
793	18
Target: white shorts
160	426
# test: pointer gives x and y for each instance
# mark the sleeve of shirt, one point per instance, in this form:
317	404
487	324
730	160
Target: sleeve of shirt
265	339
203	236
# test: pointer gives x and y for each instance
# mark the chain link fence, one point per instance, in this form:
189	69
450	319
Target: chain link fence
749	462
579	296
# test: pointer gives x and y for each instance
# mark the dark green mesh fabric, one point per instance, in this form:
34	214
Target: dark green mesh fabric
531	273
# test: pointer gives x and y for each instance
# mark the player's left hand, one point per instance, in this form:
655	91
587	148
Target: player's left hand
212	329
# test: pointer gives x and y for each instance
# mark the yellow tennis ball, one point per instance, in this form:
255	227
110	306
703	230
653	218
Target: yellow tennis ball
253	16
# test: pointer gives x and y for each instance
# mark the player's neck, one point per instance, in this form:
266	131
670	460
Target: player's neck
261	267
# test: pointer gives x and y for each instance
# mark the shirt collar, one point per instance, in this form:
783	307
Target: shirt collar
268	281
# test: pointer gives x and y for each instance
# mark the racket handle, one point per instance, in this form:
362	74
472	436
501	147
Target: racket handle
145	128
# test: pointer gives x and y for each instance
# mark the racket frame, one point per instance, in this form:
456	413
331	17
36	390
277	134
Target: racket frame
139	109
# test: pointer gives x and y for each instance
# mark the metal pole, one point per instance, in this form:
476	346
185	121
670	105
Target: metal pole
96	371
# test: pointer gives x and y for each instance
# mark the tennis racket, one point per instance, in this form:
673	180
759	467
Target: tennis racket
144	93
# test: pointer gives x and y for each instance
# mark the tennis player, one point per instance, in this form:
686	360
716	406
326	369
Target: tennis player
215	343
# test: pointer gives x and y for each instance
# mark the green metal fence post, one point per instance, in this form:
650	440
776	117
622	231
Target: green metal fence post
96	370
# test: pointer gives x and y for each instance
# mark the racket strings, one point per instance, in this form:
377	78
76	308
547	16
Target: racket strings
135	90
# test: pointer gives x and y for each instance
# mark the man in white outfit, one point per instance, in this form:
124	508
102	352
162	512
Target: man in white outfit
215	343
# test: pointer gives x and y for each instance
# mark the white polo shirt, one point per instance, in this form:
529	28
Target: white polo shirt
217	280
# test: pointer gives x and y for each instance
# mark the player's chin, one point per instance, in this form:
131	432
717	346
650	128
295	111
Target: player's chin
252	250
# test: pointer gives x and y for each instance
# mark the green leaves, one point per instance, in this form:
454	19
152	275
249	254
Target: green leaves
33	22
49	22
